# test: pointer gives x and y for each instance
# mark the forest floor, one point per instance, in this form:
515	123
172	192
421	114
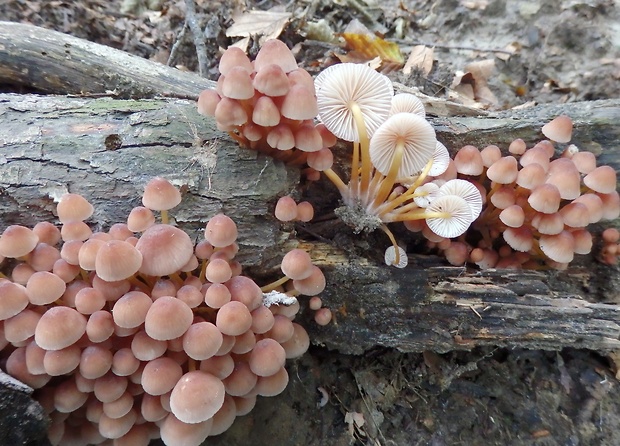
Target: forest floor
491	54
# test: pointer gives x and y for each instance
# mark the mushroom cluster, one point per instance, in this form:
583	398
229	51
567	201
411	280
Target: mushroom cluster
136	333
395	152
536	207
268	104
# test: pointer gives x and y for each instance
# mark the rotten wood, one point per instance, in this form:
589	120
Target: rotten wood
107	149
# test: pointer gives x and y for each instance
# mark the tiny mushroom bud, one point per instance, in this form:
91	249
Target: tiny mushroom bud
17	241
197	397
167	318
165	249
160	195
59	327
275	51
560	129
117	260
286	209
468	161
73	207
221	231
297	264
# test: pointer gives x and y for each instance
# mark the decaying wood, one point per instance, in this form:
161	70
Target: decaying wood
52	62
107	149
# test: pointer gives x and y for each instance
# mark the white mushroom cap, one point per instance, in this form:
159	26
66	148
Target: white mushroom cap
390	257
407	103
339	86
418	137
465	190
441	160
459	220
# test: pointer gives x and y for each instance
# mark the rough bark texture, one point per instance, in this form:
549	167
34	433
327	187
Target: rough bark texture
107	149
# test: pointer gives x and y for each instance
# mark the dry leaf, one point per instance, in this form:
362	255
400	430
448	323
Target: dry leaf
421	57
509	50
355	420
472	91
266	24
481	69
365	46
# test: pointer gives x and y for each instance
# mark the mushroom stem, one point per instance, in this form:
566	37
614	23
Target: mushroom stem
393	240
334	178
406	208
422	214
364	145
139	284
355	169
176	279
164	217
422	175
203	271
410	192
273	285
388	183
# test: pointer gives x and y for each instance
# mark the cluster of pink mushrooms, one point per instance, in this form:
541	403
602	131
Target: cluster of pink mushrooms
394	146
138	333
268	104
525	207
536	207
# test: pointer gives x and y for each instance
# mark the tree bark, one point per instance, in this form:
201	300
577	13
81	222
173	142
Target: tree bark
107	149
52	62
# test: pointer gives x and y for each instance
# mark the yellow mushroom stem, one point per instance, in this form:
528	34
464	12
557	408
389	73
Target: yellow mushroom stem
410	192
355	169
393	240
371	193
388	183
139	284
406	208
273	285
421	215
164	217
334	178
176	279
203	271
364	145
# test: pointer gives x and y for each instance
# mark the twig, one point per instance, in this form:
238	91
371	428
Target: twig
199	43
451	47
177	44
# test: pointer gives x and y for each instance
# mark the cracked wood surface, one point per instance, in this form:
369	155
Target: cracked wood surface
107	149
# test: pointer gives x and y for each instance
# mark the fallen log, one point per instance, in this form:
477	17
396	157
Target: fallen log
107	149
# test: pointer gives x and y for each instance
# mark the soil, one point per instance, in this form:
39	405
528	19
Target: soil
549	51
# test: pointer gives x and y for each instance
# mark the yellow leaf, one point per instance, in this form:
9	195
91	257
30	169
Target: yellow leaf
367	46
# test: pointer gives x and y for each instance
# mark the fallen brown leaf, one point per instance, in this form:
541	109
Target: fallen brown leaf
421	57
265	24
